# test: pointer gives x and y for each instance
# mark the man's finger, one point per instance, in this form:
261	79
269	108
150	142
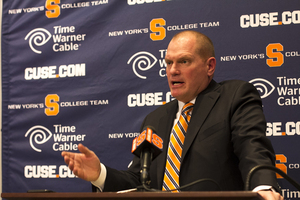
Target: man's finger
67	159
68	154
70	165
83	149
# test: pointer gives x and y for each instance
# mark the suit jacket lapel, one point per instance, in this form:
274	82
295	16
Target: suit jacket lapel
203	105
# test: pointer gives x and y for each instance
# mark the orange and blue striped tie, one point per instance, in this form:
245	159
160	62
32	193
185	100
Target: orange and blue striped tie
171	177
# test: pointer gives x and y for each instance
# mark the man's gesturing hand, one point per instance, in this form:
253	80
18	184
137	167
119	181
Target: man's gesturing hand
85	165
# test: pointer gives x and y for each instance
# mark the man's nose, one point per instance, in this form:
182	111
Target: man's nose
174	70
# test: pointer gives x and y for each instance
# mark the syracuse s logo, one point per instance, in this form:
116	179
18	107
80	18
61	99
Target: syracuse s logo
38	135
38	37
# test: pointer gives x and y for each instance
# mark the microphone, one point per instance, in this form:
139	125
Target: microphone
147	146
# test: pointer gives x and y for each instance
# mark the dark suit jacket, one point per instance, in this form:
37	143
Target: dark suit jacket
224	140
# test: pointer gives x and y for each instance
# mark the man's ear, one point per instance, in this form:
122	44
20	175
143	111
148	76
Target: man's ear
211	63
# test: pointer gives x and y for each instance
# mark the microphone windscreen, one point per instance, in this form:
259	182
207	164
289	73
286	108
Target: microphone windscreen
147	139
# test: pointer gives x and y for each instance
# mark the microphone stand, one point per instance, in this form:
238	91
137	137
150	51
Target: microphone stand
146	158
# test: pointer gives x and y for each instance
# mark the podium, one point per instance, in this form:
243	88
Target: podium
231	195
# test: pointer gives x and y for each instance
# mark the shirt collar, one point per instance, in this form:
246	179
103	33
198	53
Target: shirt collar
181	104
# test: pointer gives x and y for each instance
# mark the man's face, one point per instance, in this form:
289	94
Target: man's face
188	74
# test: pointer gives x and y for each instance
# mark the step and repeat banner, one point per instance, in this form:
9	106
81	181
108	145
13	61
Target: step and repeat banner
89	71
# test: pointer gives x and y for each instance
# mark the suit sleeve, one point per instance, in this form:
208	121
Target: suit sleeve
248	136
122	180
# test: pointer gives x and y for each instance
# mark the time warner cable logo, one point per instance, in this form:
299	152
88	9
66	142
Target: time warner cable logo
142	61
39	135
264	87
65	39
38	37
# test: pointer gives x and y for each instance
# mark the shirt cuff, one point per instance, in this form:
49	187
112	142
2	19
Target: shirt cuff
263	187
99	183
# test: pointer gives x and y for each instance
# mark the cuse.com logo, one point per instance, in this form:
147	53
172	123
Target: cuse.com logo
39	135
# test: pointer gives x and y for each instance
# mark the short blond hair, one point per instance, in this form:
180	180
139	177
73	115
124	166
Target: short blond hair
205	47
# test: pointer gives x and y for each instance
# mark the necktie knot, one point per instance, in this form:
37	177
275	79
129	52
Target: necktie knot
186	111
188	107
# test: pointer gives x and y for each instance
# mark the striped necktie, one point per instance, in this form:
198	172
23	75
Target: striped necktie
171	177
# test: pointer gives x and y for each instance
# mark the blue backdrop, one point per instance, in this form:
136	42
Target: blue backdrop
89	72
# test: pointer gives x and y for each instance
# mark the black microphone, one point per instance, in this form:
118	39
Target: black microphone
147	146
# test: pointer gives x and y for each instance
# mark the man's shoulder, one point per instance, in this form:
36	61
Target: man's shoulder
164	109
161	114
167	106
235	84
239	87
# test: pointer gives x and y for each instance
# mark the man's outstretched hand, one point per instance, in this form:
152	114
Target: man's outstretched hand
85	165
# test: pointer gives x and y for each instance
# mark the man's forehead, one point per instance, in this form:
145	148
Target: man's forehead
181	45
179	51
170	55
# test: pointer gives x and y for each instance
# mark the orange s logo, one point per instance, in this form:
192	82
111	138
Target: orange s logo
53	10
276	58
157	141
282	159
159	32
141	138
52	105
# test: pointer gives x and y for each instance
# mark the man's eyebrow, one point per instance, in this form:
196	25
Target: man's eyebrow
168	59
185	57
180	57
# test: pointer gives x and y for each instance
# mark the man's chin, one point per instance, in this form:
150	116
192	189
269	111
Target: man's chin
174	94
178	97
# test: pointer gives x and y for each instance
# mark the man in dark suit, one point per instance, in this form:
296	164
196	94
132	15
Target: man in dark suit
225	137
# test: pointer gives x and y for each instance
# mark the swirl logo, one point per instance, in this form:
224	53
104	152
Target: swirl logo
142	61
264	87
38	37
38	135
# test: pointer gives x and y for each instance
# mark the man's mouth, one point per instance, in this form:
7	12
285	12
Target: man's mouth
176	83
